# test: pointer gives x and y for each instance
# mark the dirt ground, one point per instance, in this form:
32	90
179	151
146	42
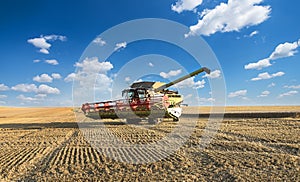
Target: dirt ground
45	144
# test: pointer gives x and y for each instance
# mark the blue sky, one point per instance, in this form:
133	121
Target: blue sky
256	43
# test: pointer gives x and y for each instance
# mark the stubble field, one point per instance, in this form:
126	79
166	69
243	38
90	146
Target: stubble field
45	144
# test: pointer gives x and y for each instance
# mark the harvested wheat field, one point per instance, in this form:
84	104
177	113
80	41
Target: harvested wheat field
45	144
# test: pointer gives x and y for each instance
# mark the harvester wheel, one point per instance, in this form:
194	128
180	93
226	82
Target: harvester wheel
133	121
152	121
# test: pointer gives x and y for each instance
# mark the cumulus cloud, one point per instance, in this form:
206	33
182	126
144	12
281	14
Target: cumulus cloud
185	5
56	76
239	93
42	89
103	82
89	70
259	65
3	87
190	82
170	73
25	88
70	77
43	44
266	75
264	93
213	74
290	93
26	99
233	16
45	89
43	78
92	65
120	45
51	61
99	41
3	96
286	49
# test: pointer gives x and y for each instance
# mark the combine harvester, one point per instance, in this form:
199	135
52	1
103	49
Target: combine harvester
143	100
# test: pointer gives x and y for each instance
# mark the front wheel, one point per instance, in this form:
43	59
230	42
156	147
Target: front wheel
133	121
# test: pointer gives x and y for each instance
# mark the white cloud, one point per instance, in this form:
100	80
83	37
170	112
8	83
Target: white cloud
264	94
99	41
185	5
281	51
45	89
253	33
127	79
170	73
43	78
151	64
190	82
44	51
25	88
139	80
238	93
233	16
40	96
103	82
36	61
52	61
3	87
42	44
70	77
284	50
2	102
56	76
203	99
3	96
42	89
26	99
290	93
266	75
55	37
120	45
259	65
213	74
92	65
272	85
292	86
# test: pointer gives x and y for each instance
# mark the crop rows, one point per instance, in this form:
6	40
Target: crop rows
252	149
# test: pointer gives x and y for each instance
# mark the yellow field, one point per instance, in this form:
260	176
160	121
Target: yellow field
45	144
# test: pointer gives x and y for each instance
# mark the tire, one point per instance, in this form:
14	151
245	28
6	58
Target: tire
152	121
133	121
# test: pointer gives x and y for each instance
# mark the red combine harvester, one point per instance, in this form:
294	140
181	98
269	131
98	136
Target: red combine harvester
143	100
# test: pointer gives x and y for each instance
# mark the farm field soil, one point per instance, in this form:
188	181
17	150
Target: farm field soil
45	144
